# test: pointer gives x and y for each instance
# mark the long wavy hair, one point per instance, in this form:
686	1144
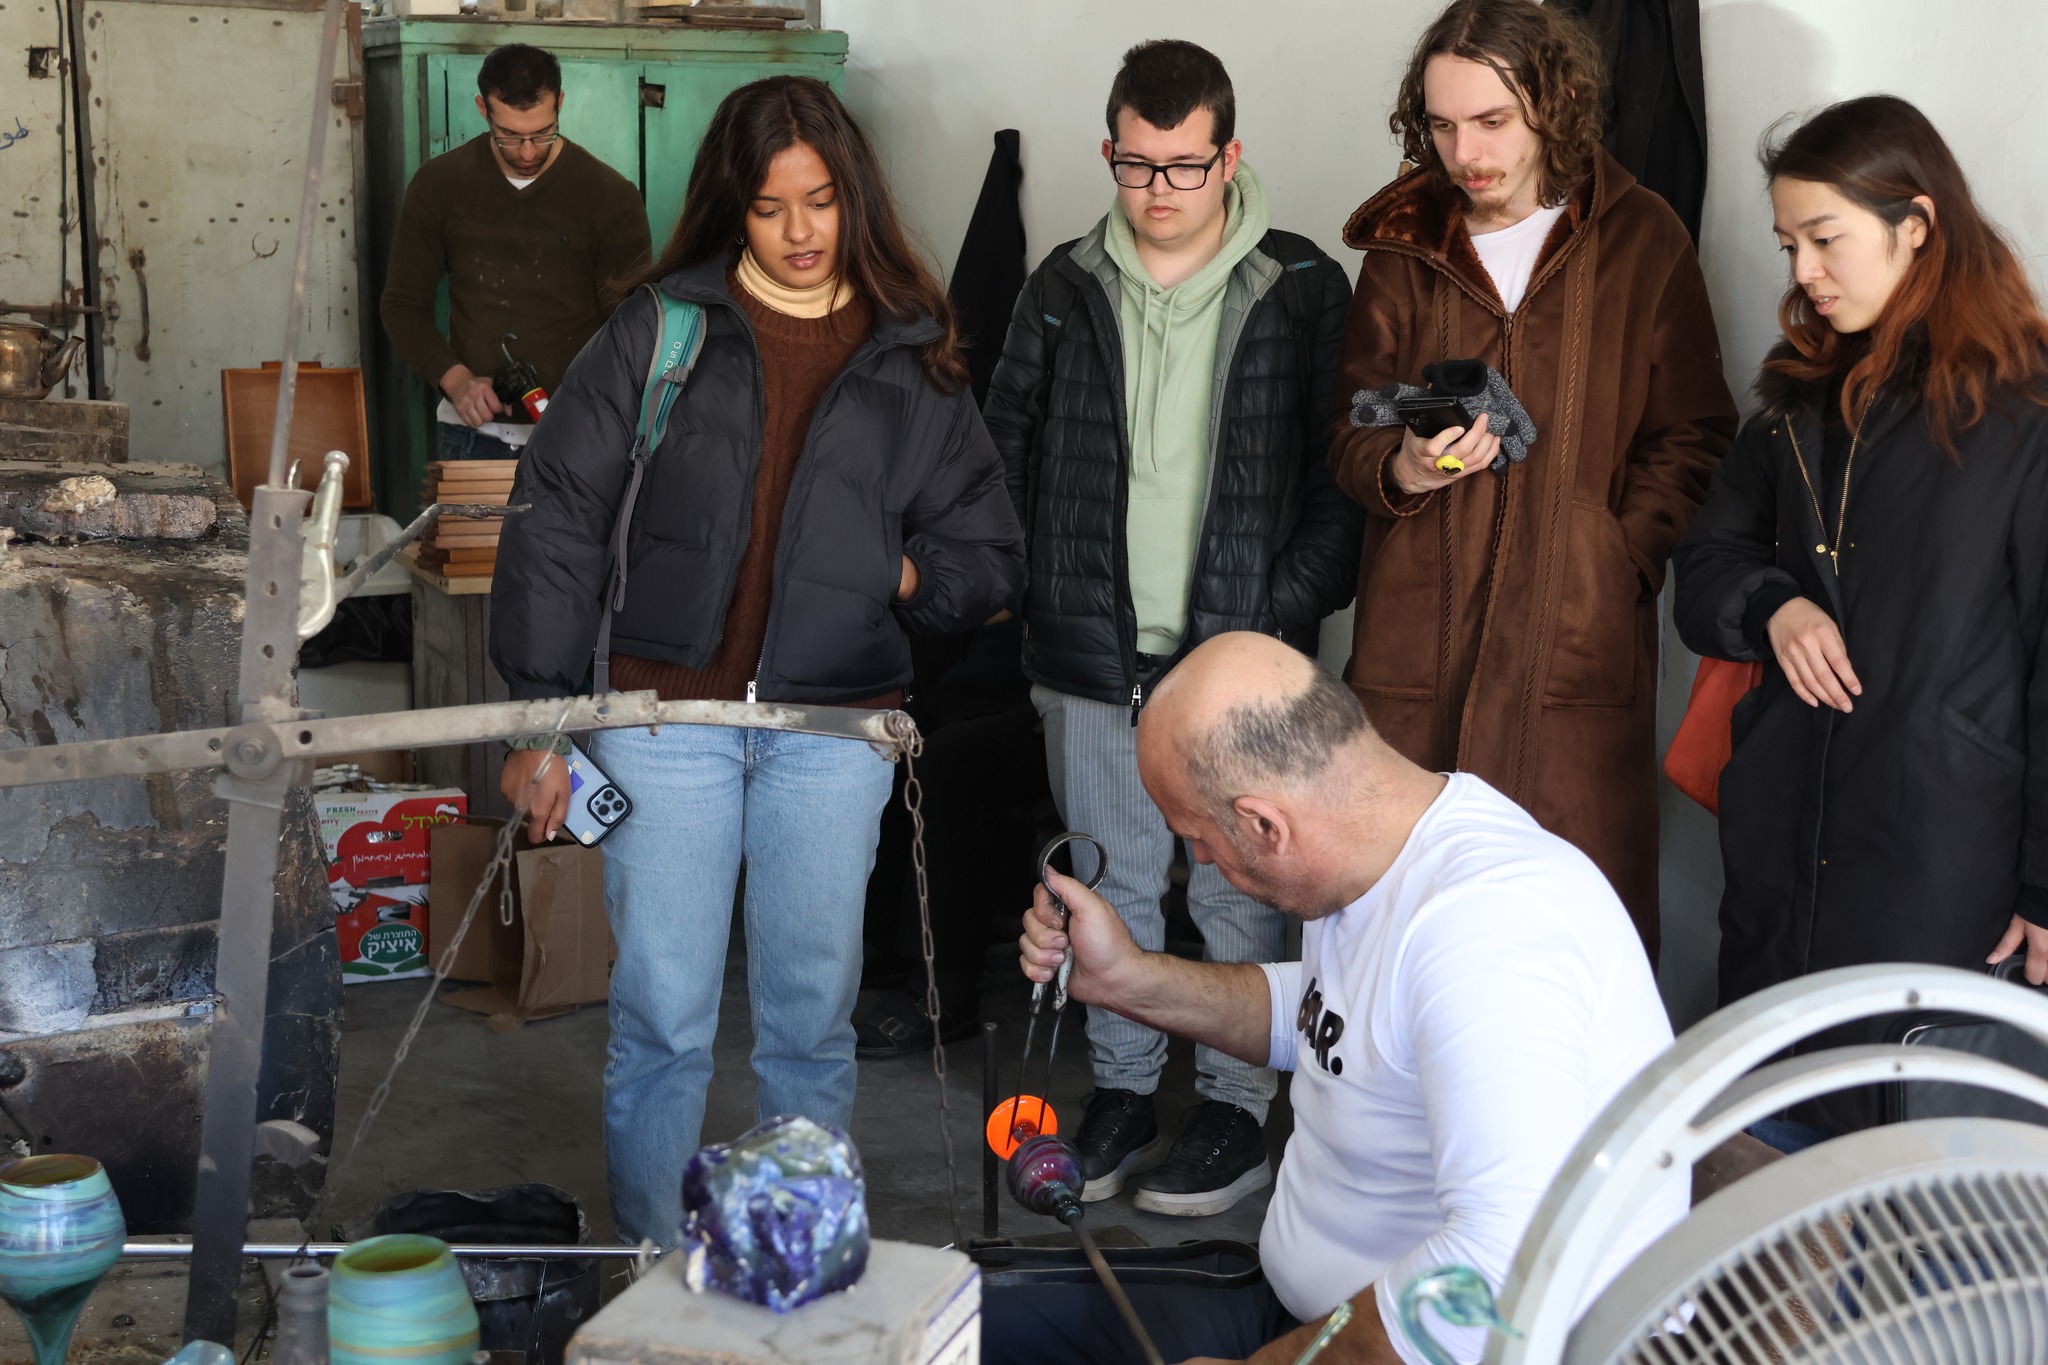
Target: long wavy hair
1963	318
1545	55
751	127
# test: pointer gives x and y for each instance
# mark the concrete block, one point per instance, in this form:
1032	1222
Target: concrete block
914	1306
47	988
91	502
64	429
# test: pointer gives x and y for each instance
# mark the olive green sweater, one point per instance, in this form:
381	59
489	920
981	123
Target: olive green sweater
536	262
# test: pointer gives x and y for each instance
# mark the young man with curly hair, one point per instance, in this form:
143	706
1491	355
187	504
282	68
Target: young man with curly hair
1507	620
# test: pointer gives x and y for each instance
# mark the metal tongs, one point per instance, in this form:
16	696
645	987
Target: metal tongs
1053	992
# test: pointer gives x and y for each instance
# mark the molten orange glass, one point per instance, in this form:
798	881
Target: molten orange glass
1017	1118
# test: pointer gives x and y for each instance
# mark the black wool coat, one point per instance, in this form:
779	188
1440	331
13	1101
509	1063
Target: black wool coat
1279	540
890	466
1909	829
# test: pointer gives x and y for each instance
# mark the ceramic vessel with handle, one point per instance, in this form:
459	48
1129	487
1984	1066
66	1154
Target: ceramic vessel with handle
32	359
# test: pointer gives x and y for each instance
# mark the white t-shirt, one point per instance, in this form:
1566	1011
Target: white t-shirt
511	433
1458	1027
1509	255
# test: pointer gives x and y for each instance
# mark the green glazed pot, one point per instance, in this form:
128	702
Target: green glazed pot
399	1300
60	1230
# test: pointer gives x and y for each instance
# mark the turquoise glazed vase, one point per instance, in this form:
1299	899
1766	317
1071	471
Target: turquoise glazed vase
60	1231
399	1300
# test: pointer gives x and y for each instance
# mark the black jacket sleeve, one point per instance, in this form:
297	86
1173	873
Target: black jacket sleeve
961	532
1730	553
1316	572
1015	408
552	569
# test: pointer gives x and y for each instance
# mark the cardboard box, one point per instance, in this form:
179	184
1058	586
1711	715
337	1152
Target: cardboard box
557	951
379	865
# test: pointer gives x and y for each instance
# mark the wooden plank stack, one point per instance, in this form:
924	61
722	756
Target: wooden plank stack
465	547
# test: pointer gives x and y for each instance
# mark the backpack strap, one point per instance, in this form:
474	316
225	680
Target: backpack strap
678	340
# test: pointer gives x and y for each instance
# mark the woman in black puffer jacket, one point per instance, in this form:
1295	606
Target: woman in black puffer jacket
824	484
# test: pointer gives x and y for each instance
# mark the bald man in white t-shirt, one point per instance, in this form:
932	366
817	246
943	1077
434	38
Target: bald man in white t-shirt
1470	995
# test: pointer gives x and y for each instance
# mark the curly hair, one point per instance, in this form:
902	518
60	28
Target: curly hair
1542	53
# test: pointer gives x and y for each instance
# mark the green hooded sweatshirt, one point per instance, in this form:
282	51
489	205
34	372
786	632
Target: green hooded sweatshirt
1169	338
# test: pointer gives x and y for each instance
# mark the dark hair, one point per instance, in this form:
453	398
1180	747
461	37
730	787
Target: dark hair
518	75
1165	80
1544	55
1964	304
755	123
1292	740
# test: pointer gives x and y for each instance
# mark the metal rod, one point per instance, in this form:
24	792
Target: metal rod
1116	1292
88	206
362	572
991	1218
302	261
284	1251
255	796
142	755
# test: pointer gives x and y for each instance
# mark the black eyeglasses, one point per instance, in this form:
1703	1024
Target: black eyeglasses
1182	175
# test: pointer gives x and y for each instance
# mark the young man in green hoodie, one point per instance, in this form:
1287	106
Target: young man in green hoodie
1160	407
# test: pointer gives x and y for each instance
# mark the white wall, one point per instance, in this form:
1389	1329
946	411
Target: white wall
933	79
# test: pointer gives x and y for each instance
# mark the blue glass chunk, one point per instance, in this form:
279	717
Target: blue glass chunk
778	1216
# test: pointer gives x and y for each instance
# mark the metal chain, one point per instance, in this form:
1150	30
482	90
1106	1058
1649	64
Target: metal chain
913	801
497	869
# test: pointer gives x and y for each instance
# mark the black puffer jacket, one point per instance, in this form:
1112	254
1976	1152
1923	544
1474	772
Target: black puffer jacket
890	467
1279	541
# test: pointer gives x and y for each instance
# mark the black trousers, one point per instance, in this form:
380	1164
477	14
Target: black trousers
1076	1324
979	777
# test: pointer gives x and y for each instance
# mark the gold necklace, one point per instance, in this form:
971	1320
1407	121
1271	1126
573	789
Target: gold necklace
1833	553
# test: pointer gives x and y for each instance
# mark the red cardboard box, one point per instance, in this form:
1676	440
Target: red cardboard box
379	864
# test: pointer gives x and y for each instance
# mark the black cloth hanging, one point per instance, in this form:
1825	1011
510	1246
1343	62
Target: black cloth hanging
990	272
1657	95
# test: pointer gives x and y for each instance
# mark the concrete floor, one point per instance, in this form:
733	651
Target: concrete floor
475	1107
479	1104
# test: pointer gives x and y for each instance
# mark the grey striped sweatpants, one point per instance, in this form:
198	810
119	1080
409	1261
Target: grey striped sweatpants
1091	751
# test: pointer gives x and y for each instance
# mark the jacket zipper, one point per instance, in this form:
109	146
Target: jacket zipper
1126	625
1216	438
702	298
868	351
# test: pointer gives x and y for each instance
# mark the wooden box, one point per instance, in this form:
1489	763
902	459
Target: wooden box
327	414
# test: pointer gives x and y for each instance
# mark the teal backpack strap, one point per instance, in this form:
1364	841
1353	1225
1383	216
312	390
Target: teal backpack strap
678	339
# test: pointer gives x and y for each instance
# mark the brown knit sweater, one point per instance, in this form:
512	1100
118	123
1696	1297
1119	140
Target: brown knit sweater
800	357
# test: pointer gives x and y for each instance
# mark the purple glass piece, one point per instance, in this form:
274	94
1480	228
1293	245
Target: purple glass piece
1045	1175
778	1216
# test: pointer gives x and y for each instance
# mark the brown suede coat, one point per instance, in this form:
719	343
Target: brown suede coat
1507	625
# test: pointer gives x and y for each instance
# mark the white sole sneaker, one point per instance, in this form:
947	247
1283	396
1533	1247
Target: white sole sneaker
1146	1158
1201	1203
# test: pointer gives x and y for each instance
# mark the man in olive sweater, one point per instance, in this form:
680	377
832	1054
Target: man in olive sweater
530	231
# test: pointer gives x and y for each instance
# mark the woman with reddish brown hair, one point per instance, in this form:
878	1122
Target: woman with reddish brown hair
1878	538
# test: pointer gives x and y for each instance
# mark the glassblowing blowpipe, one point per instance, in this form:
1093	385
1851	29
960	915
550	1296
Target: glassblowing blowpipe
1044	1176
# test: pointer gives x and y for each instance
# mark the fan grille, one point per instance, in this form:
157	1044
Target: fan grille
1942	1267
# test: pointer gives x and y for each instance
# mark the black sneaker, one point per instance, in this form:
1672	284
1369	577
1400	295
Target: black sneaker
1220	1158
1119	1137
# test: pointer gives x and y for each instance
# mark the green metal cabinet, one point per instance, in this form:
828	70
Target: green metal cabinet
637	96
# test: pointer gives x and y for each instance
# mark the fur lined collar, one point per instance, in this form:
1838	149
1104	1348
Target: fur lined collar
1420	214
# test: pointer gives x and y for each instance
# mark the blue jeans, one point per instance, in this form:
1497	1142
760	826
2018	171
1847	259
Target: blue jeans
454	442
802	811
